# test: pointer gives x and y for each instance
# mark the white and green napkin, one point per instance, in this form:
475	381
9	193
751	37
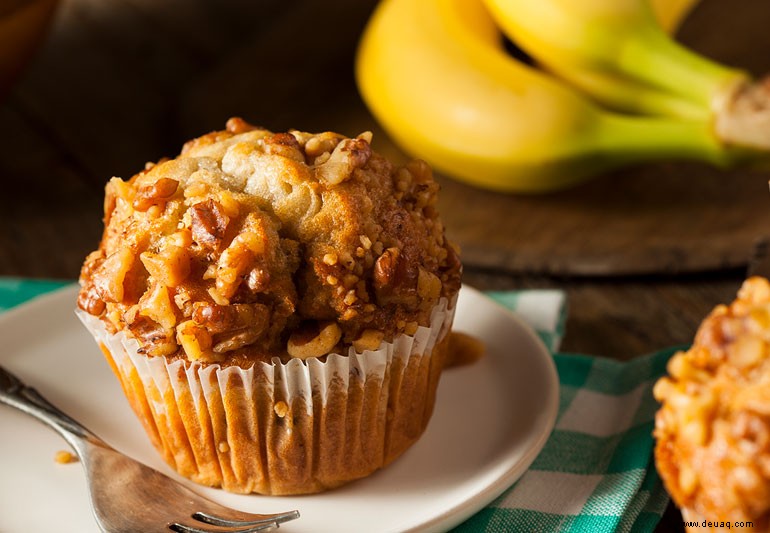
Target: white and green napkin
596	472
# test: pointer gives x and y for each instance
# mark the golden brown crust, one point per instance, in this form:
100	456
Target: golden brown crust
713	428
222	253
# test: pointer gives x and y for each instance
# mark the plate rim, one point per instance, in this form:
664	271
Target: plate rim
466	509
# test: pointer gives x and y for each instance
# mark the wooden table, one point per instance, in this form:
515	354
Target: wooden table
643	254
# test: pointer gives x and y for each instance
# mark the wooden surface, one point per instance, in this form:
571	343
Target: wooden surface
643	254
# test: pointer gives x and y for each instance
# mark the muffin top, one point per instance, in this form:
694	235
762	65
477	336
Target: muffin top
713	429
252	245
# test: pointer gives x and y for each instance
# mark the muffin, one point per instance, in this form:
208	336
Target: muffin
713	428
276	306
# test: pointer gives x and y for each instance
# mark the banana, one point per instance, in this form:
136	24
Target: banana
621	94
435	75
589	40
671	13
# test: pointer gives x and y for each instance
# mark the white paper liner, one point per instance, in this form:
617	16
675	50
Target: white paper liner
343	417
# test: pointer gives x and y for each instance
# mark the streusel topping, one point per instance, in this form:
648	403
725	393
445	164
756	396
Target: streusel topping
253	244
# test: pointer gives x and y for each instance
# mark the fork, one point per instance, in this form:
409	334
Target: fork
127	496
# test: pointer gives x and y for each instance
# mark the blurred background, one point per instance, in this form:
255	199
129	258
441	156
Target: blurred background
92	89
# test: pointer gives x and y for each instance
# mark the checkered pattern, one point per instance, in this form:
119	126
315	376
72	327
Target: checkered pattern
595	473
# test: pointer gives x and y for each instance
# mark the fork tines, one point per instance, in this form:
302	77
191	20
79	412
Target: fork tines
215	524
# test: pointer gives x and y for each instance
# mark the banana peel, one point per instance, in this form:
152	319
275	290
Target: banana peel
436	76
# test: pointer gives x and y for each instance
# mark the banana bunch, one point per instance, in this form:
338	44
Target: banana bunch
614	89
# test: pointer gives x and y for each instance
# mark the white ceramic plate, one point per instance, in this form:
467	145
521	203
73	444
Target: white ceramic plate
491	420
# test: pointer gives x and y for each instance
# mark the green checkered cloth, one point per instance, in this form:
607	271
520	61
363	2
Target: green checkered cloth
596	472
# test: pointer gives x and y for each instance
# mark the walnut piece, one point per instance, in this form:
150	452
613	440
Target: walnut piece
314	340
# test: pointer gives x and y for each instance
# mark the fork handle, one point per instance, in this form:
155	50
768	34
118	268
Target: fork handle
14	393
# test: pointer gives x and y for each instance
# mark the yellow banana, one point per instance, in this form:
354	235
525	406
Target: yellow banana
620	93
588	41
671	13
435	75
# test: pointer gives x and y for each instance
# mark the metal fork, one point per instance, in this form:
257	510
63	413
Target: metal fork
127	496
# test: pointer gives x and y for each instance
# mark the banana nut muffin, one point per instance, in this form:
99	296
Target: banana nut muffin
259	251
713	428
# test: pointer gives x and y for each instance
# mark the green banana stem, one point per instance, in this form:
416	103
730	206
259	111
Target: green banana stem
637	139
738	107
624	95
652	57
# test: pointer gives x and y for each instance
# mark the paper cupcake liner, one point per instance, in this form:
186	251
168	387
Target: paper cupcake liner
283	428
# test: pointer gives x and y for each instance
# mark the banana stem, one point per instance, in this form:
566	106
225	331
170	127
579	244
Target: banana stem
629	96
656	59
629	139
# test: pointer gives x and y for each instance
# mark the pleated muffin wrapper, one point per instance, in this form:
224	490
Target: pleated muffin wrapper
283	428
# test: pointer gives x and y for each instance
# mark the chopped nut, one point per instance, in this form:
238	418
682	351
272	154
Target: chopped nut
250	240
196	189
349	314
229	204
235	325
156	194
347	260
347	156
154	338
280	408
170	267
195	340
221	318
370	339
157	306
385	268
321	159
330	259
349	280
284	145
90	302
350	298
240	257
116	189
238	339
314	340
110	276
322	143
223	447
218	298
258	280
210	272
748	351
209	223
428	285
